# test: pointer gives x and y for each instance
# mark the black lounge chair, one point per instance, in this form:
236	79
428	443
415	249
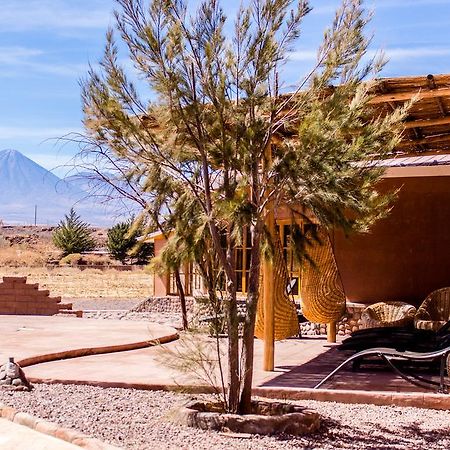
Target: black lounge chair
399	338
389	355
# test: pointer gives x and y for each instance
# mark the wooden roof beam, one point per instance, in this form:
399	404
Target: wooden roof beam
405	96
427	123
425	141
432	86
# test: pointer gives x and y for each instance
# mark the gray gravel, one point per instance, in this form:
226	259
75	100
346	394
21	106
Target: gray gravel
138	420
170	319
119	309
103	303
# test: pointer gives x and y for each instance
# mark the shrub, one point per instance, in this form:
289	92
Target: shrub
73	259
72	235
120	241
123	242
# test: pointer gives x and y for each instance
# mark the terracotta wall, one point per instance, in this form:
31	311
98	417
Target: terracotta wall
18	297
160	281
406	255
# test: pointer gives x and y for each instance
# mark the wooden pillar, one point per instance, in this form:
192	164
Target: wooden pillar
269	317
331	331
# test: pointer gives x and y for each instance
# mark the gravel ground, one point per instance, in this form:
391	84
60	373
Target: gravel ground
110	308
138	420
170	319
103	303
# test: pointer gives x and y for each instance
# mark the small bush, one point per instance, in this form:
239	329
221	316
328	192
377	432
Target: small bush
74	259
120	241
123	244
72	235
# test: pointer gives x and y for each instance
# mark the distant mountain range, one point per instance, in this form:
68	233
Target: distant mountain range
26	187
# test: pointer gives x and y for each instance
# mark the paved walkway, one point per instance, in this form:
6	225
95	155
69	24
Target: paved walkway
19	437
27	338
299	363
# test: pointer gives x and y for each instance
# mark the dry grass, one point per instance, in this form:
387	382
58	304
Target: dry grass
25	251
71	282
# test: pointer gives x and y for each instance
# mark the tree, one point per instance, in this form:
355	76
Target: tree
72	235
119	241
221	147
123	242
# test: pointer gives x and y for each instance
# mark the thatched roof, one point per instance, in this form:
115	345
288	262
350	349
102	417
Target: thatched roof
427	127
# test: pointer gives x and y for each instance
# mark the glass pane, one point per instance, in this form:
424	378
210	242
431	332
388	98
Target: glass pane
239	259
286	235
239	281
248	238
248	253
292	287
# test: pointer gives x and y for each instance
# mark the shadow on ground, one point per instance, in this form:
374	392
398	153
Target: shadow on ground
376	377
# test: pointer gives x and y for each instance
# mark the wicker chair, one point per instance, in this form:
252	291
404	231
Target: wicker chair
388	314
434	312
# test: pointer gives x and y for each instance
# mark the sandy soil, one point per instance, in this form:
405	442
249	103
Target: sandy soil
73	283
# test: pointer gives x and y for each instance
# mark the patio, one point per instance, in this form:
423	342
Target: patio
299	363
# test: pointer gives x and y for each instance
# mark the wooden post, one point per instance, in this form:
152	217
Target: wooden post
269	317
331	332
268	273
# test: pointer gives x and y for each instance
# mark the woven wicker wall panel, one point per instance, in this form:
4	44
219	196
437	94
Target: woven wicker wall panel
322	292
285	313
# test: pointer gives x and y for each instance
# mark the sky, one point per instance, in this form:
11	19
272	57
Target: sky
47	45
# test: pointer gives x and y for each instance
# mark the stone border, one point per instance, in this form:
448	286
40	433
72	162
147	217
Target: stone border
423	400
52	429
266	418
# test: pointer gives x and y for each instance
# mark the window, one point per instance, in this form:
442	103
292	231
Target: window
185	281
242	262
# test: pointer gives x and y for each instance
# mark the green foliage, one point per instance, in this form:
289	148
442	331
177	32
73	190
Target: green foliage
123	243
200	153
120	241
72	235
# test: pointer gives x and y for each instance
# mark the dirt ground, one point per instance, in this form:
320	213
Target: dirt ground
27	251
72	283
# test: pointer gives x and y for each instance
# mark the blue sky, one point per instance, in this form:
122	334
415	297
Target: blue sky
46	45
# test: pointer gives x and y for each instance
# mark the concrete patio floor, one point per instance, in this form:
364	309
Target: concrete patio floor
299	363
30	338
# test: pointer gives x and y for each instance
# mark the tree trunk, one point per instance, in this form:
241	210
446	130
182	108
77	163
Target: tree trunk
233	349
181	293
249	327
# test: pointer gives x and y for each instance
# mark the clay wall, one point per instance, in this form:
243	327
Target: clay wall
18	297
406	255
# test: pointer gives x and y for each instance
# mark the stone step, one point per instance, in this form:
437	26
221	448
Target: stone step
70	312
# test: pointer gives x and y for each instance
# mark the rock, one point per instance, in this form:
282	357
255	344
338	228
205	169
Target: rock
12	370
267	418
13	377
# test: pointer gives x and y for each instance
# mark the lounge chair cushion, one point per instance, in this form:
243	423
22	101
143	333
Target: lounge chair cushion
388	314
434	312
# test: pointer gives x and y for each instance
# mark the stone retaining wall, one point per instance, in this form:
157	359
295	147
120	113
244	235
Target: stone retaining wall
348	324
171	304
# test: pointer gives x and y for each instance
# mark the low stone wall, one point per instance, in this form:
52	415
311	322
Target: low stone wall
169	304
348	324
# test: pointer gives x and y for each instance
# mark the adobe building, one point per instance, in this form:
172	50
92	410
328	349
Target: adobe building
406	255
